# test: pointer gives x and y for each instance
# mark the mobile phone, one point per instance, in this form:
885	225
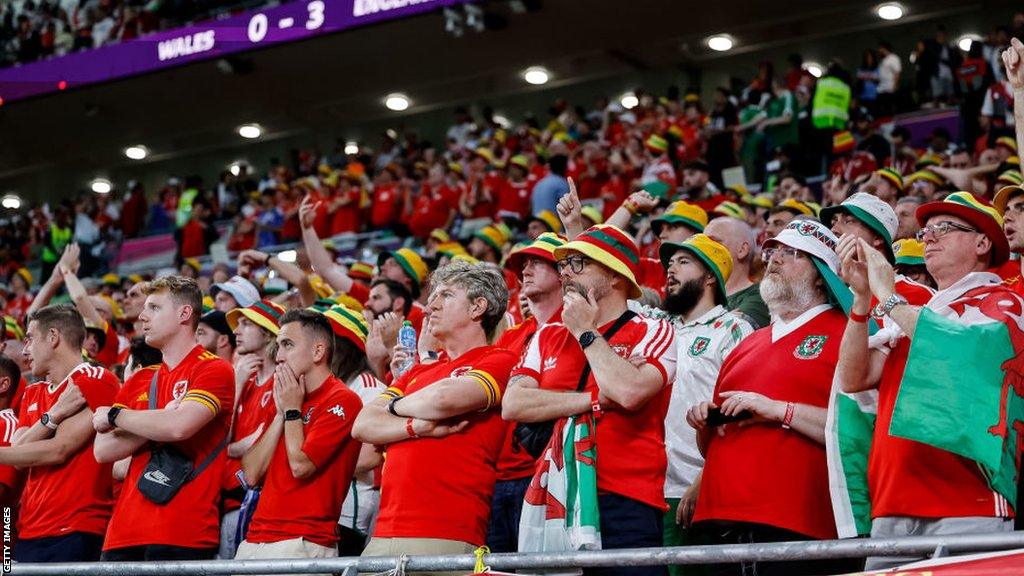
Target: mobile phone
716	418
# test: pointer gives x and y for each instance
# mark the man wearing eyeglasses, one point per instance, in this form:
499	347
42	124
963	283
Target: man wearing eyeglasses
918	488
627	391
765	475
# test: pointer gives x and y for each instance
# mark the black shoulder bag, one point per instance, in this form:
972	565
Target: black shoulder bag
168	468
534	436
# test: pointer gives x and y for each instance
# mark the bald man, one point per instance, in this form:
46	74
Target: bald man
744	296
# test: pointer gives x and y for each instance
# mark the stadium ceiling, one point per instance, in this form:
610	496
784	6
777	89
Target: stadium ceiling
51	143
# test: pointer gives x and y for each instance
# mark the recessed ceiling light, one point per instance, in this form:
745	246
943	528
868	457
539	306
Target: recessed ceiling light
102	186
890	11
250	131
11	202
351	147
396	102
814	69
137	152
236	168
536	75
965	41
629	101
720	43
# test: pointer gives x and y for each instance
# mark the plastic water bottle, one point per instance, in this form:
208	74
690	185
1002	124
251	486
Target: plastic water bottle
407	340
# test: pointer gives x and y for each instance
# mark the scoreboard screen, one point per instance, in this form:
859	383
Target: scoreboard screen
256	29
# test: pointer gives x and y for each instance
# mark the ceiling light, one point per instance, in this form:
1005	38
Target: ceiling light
814	69
890	11
236	168
11	202
501	121
720	43
966	40
137	152
629	101
536	75
351	147
102	186
250	131
396	102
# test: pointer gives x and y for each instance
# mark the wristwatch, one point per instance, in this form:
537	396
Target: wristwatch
112	415
45	420
883	308
587	338
292	415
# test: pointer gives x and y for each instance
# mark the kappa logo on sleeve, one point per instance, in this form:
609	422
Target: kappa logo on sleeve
549	363
810	348
337	410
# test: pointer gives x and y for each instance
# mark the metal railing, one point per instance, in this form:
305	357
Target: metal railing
730	553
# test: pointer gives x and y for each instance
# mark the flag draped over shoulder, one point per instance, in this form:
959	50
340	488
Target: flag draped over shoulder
560	510
963	387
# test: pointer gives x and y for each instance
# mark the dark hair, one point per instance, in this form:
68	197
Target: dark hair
348	360
315	323
901	132
558	164
63	318
396	290
143	354
9	368
798	178
885	44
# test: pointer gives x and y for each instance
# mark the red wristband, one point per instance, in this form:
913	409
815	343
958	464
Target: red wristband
595	404
787	420
859	318
408	429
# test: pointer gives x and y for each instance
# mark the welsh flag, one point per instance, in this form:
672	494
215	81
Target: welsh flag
560	511
962	391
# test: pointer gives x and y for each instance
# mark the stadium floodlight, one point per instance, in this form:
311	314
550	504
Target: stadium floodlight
250	131
101	186
965	41
137	152
720	43
536	75
889	11
629	101
396	102
11	202
814	69
351	147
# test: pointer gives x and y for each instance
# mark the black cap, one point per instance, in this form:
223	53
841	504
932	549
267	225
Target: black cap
219	322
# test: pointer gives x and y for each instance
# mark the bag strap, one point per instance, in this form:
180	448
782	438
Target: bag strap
607	335
208	460
152	390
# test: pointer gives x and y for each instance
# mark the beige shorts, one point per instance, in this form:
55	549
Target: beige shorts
293	548
419	547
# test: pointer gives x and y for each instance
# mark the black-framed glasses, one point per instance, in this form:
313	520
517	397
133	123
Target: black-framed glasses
940	229
576	263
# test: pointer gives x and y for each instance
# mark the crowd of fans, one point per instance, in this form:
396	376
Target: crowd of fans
32	30
628	352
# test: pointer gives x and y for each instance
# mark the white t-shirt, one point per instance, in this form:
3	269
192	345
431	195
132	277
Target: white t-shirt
888	69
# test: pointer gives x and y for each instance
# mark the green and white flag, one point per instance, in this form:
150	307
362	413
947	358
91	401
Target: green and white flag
962	391
560	512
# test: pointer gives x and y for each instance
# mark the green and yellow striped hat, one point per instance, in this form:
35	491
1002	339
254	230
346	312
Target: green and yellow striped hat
12	329
731	209
349	324
909	251
976	211
543	247
714	255
681	212
264	313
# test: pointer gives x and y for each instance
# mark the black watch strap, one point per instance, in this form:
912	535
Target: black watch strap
292	415
587	338
391	406
112	415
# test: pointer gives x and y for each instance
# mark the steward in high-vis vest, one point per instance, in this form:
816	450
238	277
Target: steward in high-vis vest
831	104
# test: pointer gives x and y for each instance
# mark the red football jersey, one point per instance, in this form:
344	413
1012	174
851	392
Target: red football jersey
386	206
442	487
631	458
328	414
764	473
514	462
75	496
192	518
255	406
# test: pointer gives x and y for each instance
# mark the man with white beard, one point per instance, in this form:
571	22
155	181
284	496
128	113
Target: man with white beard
765	476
